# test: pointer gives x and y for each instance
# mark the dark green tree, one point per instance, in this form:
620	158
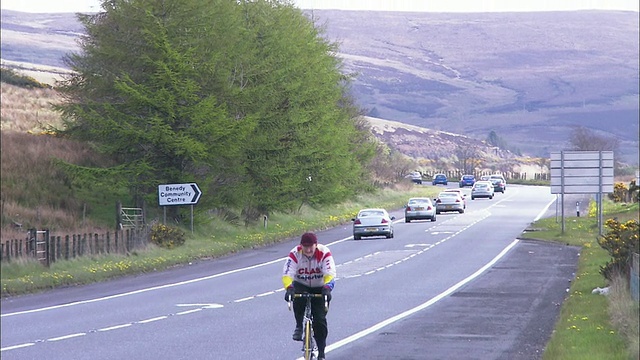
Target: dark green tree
307	145
245	97
152	112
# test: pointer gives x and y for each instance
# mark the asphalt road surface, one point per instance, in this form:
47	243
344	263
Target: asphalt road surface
463	287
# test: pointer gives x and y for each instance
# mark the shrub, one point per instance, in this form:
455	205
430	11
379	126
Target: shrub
167	236
620	192
621	241
634	191
11	77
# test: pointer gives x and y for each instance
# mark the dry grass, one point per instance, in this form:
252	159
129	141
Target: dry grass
35	193
624	313
28	110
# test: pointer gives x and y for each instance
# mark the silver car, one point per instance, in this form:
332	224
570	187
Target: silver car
418	209
449	201
372	222
482	189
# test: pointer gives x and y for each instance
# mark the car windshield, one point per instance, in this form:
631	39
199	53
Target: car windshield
448	194
440	176
467	177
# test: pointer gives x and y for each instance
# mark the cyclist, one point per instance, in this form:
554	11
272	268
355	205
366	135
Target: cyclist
310	268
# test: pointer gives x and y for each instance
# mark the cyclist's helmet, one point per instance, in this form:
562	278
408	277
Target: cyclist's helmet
308	239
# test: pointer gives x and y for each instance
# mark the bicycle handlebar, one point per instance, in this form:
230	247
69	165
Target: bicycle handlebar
309	296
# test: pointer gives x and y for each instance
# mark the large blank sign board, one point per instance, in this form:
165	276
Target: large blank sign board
582	172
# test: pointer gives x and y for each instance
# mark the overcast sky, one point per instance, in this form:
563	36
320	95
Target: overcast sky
47	6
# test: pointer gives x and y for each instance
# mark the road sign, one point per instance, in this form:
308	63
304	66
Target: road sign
178	194
582	172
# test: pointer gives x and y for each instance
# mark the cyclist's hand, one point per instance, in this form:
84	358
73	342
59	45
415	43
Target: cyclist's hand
288	296
326	291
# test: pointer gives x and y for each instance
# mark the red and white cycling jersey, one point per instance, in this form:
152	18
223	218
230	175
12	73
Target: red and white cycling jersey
313	271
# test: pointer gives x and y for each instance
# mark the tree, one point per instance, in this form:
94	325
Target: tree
245	97
468	159
585	139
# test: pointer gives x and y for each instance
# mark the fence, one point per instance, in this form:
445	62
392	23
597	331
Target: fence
456	174
47	248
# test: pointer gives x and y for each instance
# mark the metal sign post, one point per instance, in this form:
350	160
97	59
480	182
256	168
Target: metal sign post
582	172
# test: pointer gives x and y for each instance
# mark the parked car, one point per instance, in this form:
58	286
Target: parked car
482	189
416	177
418	209
467	180
463	195
372	222
498	185
498	176
439	179
449	201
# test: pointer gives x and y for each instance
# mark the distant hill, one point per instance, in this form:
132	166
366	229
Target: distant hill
530	77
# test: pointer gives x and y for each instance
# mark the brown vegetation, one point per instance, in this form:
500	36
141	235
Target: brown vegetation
34	192
28	110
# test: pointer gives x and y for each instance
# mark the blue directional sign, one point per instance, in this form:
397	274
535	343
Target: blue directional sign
178	194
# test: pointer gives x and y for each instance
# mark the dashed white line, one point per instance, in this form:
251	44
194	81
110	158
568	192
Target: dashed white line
115	327
66	337
152	319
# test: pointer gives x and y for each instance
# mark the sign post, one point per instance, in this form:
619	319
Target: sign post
179	194
582	172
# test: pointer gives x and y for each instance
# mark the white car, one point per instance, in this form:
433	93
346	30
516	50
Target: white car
372	222
463	195
482	189
418	209
449	201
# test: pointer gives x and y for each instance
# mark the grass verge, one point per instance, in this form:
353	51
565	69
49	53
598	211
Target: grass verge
591	326
215	239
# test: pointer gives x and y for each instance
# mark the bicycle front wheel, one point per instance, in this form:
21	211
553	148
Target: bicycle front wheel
308	341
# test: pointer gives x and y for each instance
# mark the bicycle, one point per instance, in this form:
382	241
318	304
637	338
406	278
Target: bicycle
309	347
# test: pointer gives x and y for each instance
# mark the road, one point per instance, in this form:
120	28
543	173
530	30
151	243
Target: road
460	287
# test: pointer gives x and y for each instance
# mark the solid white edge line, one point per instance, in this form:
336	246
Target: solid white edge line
432	301
544	210
16	346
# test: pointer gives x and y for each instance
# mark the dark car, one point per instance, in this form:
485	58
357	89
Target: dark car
416	177
498	185
467	180
439	179
498	176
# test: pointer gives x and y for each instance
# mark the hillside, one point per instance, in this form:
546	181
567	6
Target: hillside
530	77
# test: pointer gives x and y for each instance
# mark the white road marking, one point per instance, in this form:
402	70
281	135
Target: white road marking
204	306
152	319
67	337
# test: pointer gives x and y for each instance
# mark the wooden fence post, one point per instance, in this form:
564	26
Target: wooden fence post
47	249
66	247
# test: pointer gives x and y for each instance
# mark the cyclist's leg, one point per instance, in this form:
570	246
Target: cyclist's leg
320	328
299	303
